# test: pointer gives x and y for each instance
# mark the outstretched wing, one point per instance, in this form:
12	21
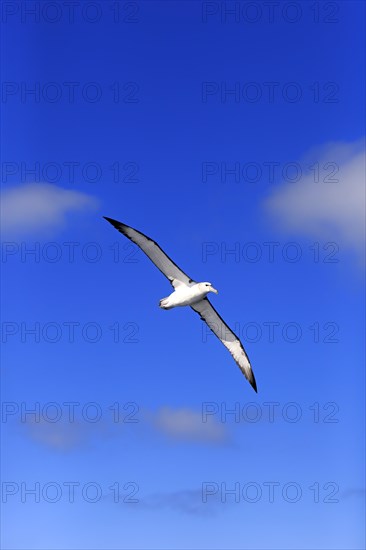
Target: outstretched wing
209	314
176	276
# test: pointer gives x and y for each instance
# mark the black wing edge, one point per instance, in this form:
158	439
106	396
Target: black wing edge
251	380
121	228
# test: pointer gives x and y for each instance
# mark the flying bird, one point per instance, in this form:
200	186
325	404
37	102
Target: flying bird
188	292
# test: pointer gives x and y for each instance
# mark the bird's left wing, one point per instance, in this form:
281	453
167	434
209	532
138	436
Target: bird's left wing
218	326
176	276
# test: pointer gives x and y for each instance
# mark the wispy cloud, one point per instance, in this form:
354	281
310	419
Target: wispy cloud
332	208
176	424
57	436
64	436
185	501
37	207
187	425
354	492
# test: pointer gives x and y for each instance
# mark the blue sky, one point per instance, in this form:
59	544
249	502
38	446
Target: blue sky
235	140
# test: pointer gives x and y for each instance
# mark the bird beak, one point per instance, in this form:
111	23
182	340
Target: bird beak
214	290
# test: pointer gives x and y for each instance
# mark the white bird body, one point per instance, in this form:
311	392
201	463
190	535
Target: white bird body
189	293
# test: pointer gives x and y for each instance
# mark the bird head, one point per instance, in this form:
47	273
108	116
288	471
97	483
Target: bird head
209	288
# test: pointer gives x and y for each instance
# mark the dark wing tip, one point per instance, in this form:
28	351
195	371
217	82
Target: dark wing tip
121	227
253	383
112	221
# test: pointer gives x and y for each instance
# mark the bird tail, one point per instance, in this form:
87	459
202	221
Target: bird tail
164	303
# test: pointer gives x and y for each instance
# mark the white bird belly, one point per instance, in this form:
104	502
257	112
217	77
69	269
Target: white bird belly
183	296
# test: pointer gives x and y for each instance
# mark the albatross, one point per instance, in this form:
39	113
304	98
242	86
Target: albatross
188	292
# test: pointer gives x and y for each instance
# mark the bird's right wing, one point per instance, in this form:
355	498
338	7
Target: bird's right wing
153	251
218	326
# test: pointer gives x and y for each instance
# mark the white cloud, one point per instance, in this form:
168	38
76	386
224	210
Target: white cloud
188	425
35	207
177	424
58	436
332	211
